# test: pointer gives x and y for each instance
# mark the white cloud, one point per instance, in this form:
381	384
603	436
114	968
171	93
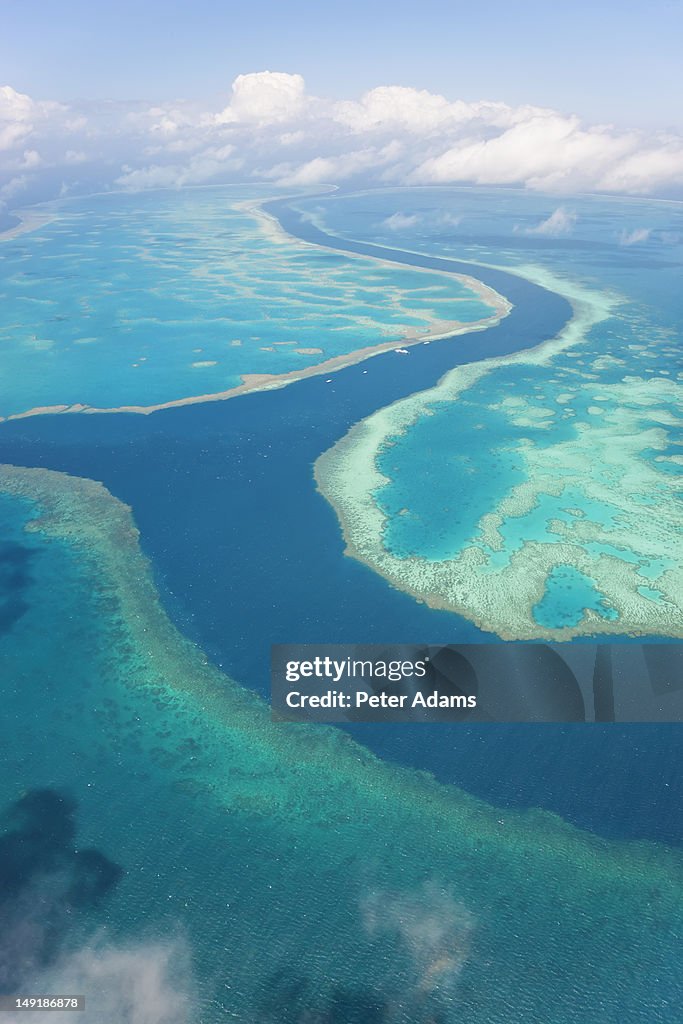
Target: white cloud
560	222
395	107
265	96
292	138
75	124
12	134
272	129
399	221
20	114
31	158
646	169
13	187
635	236
143	983
434	928
313	172
15	117
202	168
449	220
328	169
543	152
421	112
15	106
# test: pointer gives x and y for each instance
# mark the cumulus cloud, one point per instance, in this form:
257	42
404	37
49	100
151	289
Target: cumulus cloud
34	137
20	115
50	885
421	112
13	187
331	168
449	220
560	222
271	128
635	236
16	117
139	983
265	96
15	106
548	152
648	169
399	221
12	134
434	928
201	168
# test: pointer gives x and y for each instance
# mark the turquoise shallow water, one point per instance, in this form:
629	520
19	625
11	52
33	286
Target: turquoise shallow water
142	300
567	593
278	887
459	461
264	890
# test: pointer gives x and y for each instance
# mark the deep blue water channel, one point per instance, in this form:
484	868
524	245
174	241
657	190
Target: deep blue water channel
246	553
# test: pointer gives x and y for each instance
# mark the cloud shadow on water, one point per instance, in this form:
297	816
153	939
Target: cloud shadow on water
46	884
15	577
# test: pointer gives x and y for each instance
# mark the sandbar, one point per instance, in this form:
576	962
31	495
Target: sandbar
29	220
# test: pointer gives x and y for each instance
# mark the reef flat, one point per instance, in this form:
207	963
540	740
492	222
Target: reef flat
28	220
424	901
590	482
123	303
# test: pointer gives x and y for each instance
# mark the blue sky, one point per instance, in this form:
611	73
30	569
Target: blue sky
617	62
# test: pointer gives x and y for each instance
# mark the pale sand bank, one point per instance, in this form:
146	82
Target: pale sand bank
29	220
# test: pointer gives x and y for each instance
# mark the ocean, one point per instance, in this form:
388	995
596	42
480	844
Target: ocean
269	886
